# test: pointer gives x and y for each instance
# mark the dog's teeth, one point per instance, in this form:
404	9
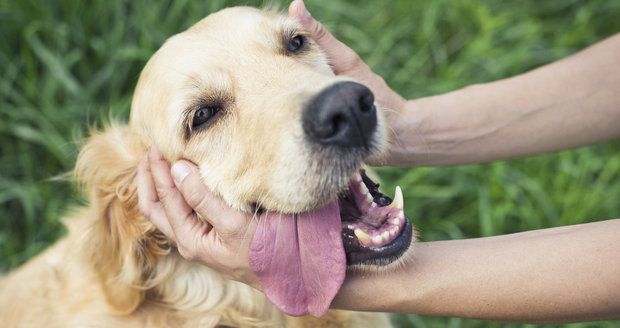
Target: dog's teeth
397	220
369	198
398	199
357	177
363	237
385	235
377	240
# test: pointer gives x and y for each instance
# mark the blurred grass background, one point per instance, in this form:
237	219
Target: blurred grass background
66	65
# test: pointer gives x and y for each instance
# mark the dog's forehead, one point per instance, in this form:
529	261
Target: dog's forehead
236	19
228	38
239	26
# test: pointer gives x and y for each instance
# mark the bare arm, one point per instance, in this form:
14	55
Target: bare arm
552	275
566	104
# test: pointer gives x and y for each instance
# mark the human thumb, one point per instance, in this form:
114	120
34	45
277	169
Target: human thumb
342	57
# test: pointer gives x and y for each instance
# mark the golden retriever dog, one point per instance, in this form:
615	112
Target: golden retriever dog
250	99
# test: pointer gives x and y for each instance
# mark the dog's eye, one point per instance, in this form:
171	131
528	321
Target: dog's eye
204	114
296	43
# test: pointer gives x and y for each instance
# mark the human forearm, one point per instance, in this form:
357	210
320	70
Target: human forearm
552	275
566	104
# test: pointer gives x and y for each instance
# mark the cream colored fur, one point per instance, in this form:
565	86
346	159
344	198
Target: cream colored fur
114	269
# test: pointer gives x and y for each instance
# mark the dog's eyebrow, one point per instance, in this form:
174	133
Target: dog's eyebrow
193	82
289	32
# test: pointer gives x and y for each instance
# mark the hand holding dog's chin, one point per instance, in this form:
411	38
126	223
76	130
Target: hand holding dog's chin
203	228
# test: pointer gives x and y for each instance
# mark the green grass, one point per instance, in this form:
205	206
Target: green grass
67	65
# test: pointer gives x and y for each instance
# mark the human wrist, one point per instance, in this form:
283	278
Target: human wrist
439	130
407	141
385	96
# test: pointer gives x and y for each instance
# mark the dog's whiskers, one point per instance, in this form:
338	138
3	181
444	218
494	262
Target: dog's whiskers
255	217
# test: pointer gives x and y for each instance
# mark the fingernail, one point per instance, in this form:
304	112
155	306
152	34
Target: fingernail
179	170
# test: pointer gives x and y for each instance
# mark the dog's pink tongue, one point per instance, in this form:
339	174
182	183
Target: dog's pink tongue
299	259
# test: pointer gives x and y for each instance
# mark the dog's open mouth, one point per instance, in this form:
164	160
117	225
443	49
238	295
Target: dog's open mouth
300	259
375	230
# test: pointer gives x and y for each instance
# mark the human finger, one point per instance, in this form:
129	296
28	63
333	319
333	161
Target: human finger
342	57
191	185
148	201
180	215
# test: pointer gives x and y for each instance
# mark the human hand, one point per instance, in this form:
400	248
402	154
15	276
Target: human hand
345	61
202	226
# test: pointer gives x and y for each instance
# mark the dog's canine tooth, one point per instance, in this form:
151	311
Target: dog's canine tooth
398	199
362	236
369	198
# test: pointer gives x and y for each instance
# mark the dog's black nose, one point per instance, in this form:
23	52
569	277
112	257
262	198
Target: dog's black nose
343	114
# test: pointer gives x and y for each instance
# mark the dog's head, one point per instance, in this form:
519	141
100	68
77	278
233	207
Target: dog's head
247	96
250	98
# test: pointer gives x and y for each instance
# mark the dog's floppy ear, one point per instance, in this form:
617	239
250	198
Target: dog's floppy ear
123	245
